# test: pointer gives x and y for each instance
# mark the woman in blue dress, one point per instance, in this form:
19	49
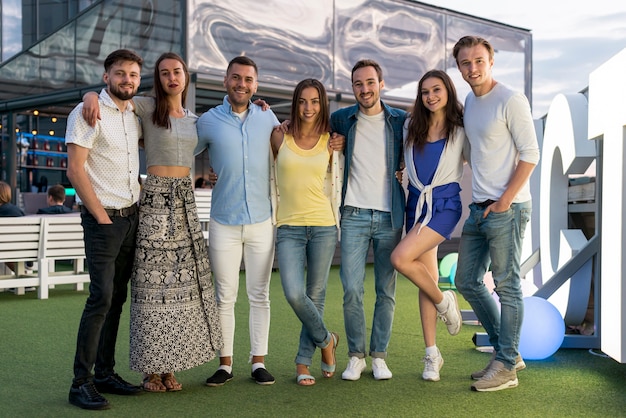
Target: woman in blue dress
433	152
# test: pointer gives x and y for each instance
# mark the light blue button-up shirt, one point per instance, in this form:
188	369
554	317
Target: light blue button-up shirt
240	155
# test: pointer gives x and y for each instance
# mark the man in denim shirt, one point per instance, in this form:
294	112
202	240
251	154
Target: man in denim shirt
372	211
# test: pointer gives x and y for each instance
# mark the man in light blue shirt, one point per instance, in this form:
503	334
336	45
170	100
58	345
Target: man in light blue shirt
237	135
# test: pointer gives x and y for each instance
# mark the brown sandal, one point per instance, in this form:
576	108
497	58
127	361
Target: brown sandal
152	383
170	382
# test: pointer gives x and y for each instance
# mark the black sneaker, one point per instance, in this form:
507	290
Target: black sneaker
263	377
86	396
116	385
220	377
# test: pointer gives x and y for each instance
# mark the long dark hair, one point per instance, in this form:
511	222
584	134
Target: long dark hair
323	119
420	115
161	115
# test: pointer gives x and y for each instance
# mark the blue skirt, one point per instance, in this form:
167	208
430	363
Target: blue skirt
446	212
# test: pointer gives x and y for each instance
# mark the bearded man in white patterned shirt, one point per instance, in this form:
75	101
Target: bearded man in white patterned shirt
103	167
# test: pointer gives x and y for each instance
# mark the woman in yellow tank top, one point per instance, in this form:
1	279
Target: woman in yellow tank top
307	220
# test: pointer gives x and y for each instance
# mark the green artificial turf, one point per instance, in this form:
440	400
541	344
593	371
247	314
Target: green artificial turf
38	342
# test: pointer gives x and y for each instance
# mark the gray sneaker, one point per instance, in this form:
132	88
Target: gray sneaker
452	314
519	365
498	377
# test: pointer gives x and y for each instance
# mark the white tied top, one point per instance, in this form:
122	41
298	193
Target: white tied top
449	170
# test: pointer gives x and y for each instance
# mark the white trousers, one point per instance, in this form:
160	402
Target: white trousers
227	245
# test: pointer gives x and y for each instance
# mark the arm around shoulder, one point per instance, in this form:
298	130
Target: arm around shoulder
276	140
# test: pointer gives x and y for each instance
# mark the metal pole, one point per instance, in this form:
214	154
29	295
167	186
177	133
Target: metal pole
11	156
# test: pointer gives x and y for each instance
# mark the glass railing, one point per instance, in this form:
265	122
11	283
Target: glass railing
73	56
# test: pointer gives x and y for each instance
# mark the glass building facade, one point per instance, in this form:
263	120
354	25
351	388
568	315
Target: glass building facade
289	41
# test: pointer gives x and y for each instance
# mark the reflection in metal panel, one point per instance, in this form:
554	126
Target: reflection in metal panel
324	39
288	40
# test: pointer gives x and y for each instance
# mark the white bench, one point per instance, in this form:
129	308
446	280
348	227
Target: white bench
203	204
19	244
61	239
43	240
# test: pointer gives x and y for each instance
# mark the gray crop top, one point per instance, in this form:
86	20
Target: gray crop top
167	147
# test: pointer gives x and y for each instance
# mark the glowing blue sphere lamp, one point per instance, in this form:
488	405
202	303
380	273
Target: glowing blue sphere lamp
452	274
543	329
446	264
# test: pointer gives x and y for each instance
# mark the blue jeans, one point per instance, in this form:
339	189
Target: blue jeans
110	252
313	248
496	241
358	228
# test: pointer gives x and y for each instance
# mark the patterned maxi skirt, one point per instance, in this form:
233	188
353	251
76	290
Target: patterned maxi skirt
174	323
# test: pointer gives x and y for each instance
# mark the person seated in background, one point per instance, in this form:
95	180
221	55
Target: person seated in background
56	200
8	209
201	183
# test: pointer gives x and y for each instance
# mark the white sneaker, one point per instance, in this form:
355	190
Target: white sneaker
452	314
354	369
432	365
380	369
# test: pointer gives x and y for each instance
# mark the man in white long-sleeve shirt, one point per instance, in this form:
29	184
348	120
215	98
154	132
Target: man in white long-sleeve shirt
504	152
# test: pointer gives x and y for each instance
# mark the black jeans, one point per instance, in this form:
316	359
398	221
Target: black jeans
110	252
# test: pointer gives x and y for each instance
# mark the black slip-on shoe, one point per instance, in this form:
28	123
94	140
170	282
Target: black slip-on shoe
220	377
263	377
116	385
86	396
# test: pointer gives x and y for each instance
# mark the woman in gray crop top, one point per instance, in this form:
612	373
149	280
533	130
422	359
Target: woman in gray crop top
174	322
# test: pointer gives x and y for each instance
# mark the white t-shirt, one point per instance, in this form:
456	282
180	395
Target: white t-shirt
500	129
368	186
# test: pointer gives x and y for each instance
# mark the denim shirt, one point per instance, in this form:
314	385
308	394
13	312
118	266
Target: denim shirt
343	121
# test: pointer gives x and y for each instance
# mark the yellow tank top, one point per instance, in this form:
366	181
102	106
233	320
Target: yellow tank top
300	176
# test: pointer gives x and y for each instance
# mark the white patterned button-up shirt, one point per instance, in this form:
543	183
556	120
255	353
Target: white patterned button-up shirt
113	161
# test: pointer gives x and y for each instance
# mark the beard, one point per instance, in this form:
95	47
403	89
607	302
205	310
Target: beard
239	101
122	95
367	103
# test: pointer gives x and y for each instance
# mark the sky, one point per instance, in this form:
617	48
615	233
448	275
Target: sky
570	38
